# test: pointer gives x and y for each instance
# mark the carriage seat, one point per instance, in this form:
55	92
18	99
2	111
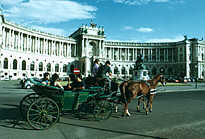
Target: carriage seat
41	88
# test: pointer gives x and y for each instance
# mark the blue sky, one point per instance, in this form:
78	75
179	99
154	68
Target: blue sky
123	20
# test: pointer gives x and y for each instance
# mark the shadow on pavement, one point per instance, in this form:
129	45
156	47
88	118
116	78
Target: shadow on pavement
113	131
11	118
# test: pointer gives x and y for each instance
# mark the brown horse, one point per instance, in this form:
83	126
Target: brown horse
132	89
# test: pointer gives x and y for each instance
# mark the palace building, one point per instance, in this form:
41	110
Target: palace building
25	52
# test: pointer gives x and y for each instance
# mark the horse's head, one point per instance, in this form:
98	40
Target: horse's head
162	79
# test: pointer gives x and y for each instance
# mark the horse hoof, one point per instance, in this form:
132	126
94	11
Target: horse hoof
138	110
150	110
125	114
146	112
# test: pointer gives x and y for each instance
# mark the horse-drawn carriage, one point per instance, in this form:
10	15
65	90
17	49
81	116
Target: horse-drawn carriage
42	108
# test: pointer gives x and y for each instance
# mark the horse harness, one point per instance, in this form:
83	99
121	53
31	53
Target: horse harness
151	91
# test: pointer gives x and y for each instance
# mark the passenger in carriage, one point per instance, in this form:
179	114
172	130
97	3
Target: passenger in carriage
46	76
54	81
77	83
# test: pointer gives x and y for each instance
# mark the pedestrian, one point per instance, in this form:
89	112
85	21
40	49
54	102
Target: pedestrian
105	72
96	67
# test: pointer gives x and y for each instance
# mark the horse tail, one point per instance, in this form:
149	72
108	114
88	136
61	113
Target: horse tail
122	90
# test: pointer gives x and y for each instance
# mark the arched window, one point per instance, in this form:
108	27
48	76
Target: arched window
48	67
40	68
15	64
123	70
57	68
64	68
32	65
116	71
23	65
5	63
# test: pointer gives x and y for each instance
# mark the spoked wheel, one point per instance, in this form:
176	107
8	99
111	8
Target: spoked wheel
26	102
103	110
43	113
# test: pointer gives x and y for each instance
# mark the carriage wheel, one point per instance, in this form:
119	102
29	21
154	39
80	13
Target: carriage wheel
26	102
43	113
103	110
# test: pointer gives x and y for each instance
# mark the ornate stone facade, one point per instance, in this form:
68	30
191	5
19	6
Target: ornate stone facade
26	52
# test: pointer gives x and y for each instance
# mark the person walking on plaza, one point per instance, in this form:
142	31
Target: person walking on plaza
96	67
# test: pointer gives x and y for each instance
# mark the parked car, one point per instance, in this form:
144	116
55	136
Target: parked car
176	80
185	80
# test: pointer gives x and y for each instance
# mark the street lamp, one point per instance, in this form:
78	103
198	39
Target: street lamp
196	67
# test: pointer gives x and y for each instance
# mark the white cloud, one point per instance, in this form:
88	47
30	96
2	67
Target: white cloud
140	2
132	2
56	31
146	30
142	29
161	0
175	39
47	11
127	28
9	3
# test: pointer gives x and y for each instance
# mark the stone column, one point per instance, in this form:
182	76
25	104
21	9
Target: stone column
133	54
120	54
103	52
67	49
63	49
100	51
172	54
44	46
113	53
9	39
30	44
52	47
60	43
83	51
56	48
128	54
3	37
12	40
86	45
21	41
125	54
35	45
164	54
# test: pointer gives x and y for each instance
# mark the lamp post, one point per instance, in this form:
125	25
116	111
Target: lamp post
196	67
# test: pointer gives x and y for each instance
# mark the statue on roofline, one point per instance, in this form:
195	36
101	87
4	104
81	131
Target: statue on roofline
93	24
